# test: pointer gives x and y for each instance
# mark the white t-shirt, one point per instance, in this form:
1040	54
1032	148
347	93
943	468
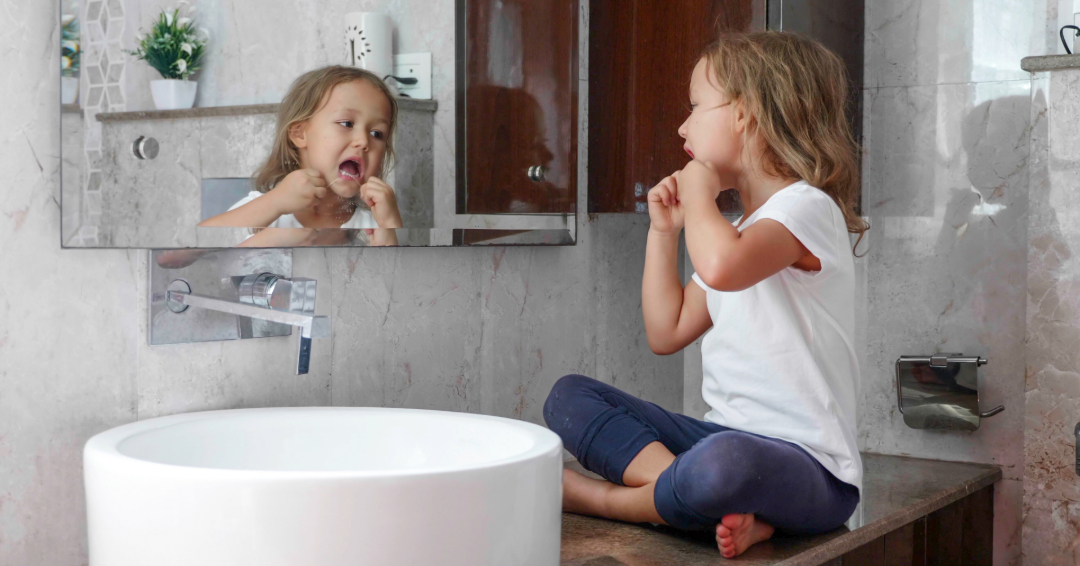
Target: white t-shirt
779	359
361	218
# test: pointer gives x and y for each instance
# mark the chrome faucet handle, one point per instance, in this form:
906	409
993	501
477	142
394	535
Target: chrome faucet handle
279	293
266	296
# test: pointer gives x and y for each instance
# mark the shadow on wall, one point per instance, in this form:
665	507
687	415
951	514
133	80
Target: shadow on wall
984	225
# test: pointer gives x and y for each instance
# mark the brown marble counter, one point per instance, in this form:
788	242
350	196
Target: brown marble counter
896	491
242	110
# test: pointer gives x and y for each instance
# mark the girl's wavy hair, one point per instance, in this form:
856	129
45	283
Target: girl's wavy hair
796	91
306	96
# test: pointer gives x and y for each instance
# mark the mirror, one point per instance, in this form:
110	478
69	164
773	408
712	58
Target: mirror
175	123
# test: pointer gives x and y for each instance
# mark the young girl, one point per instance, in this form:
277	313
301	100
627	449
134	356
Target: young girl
334	143
777	450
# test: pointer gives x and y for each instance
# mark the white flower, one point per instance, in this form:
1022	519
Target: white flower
66	19
65	62
205	32
183	22
186	48
182	65
168	18
70	45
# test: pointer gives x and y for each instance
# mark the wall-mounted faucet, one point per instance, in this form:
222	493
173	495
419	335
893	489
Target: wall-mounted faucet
267	297
237	293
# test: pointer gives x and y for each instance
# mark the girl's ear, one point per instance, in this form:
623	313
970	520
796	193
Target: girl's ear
298	134
743	118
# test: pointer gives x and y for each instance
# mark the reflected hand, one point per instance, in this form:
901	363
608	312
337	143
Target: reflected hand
281	238
665	209
299	190
381	236
381	199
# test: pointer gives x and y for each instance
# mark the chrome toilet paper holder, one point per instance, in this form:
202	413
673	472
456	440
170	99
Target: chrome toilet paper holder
940	392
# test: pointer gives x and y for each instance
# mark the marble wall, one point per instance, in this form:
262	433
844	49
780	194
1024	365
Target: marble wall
476	329
947	168
1051	528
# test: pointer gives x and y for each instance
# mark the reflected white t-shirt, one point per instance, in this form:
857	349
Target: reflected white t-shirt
779	360
361	218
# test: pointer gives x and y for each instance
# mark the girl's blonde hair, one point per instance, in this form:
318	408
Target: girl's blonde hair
306	96
796	90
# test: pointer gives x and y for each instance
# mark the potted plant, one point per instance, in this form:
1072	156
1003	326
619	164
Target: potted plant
69	59
174	47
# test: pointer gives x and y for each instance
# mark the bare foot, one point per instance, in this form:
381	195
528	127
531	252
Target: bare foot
736	533
584	495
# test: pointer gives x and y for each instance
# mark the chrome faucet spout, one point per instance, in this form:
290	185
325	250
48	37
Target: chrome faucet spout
268	297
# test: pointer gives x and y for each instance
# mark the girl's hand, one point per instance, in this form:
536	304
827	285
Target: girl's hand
665	210
698	176
381	236
381	199
298	190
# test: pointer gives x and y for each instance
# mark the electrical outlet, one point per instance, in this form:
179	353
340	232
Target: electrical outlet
413	66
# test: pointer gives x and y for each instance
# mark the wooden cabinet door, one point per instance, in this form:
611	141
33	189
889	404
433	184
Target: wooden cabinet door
641	54
517	106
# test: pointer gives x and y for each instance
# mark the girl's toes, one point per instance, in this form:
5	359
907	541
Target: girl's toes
733	522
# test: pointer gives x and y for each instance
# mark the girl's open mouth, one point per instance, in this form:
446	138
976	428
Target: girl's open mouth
351	169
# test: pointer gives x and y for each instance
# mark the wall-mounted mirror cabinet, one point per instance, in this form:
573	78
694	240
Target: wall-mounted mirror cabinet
485	137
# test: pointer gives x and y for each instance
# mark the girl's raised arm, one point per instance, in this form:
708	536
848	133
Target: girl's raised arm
674	316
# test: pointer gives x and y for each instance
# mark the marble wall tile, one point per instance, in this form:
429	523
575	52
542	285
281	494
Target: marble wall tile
538	320
65	346
72	173
413	175
1051	534
152	202
490	329
928	42
407	328
623	356
946	194
946	270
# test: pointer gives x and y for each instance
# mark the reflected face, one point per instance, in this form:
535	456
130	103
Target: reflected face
346	138
713	132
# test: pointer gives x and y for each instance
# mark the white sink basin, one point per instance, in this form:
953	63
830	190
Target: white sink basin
324	487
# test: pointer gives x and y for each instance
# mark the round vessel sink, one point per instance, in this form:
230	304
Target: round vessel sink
324	486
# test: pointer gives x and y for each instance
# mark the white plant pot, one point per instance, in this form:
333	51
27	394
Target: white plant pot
171	94
69	90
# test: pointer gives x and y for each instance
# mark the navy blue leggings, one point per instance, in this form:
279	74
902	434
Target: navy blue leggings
717	470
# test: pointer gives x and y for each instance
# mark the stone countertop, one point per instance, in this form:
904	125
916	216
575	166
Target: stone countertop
896	491
1050	63
243	110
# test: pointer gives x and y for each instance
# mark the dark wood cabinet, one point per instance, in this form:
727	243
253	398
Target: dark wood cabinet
641	53
517	105
959	534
